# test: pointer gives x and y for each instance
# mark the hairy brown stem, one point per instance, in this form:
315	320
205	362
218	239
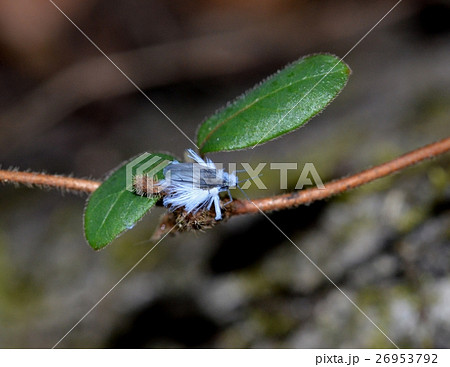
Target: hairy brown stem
297	198
238	207
48	181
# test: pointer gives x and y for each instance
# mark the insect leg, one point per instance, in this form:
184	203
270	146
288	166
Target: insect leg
210	203
217	207
231	198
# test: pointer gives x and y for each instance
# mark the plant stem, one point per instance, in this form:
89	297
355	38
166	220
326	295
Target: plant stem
332	188
238	207
41	180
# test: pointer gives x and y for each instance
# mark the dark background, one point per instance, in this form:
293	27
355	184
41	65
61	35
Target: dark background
65	109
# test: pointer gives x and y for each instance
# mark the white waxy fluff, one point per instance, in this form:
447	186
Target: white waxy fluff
195	186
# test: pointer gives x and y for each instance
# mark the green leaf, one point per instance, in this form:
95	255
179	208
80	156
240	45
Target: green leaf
283	102
113	207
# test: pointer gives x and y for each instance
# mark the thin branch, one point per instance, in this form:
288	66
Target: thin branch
238	207
332	188
41	180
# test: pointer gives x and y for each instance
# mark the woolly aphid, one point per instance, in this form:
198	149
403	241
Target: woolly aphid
196	186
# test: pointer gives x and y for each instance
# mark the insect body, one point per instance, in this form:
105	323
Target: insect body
196	186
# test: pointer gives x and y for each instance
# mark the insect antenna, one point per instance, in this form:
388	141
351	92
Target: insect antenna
240	188
237	185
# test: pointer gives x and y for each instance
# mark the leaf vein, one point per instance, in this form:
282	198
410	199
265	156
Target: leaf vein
258	100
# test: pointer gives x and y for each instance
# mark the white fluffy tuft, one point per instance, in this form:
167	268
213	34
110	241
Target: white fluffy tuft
182	192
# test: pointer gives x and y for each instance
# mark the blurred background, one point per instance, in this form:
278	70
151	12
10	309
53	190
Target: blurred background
65	109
